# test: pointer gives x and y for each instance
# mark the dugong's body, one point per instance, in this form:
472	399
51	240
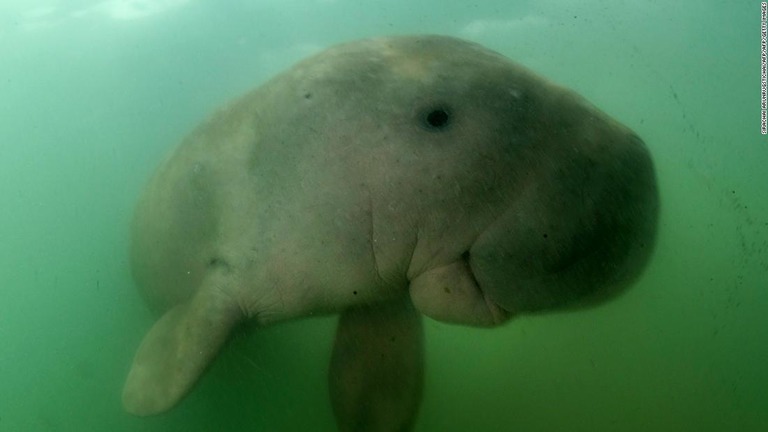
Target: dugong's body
380	179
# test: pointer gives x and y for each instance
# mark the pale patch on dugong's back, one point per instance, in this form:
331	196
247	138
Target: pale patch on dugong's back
379	179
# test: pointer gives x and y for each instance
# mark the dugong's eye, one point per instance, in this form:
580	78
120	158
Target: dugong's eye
436	118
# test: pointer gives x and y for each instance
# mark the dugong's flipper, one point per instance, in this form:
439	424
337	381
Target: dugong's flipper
179	347
377	368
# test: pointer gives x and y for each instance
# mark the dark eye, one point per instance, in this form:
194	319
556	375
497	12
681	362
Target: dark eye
436	119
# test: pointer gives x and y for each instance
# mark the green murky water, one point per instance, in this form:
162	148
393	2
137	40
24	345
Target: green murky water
92	94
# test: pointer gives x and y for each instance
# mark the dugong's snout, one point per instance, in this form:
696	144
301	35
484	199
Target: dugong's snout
580	231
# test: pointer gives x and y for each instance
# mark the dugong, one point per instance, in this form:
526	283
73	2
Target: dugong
383	179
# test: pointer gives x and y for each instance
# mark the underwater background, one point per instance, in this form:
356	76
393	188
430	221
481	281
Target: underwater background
94	93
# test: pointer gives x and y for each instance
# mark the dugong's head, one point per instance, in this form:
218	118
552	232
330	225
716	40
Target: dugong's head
495	191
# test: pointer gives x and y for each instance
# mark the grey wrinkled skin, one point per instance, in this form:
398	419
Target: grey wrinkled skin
384	179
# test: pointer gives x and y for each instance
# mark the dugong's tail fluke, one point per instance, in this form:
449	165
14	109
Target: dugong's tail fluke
377	368
178	348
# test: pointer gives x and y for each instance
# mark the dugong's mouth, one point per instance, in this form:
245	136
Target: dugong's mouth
452	293
498	313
